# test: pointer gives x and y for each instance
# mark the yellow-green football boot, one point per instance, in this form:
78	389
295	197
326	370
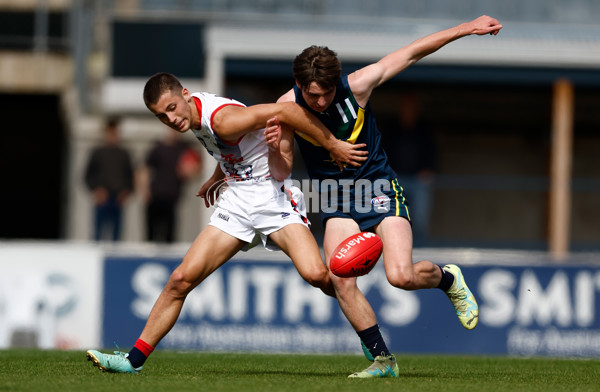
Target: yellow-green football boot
382	366
462	298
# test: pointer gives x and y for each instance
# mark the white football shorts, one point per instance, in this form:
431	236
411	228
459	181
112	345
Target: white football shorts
251	210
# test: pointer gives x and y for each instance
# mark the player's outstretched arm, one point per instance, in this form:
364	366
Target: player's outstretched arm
364	80
232	122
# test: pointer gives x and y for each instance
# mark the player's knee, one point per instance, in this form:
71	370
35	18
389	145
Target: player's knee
343	285
401	280
317	277
178	285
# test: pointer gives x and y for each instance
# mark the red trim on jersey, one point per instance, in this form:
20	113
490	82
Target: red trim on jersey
198	103
211	123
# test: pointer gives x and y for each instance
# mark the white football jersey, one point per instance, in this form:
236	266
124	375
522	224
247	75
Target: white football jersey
245	160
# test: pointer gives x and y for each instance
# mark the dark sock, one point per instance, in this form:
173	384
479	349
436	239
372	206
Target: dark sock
372	339
447	280
139	353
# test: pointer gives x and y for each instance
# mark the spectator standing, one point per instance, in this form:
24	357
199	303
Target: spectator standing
109	177
169	164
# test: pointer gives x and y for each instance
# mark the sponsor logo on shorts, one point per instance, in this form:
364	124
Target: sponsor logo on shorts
381	203
223	216
285	215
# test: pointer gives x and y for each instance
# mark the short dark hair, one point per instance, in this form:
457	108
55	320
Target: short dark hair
112	122
317	64
158	84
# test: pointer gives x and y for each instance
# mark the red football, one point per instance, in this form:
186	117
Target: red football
356	255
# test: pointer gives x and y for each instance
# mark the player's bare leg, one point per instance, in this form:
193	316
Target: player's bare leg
353	303
211	249
356	308
396	234
298	243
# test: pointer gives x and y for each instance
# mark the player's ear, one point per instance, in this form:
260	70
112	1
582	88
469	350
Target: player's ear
186	94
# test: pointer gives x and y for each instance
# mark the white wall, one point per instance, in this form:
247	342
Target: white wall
52	291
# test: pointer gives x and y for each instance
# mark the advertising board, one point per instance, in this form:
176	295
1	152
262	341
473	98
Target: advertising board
253	304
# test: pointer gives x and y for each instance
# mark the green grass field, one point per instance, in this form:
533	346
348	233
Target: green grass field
34	370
